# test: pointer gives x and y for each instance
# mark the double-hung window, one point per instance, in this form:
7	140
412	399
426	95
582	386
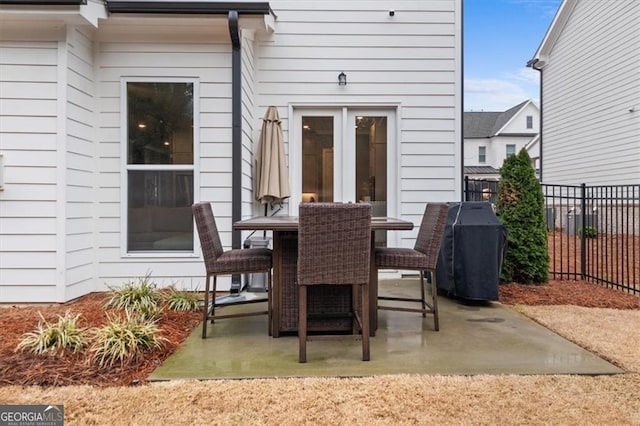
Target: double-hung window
511	150
482	154
159	165
529	121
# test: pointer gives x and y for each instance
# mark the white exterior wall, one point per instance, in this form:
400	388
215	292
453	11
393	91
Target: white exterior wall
200	51
29	221
410	61
518	123
61	135
591	81
496	149
471	149
499	147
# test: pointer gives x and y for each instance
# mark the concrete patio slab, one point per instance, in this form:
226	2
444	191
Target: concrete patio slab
486	339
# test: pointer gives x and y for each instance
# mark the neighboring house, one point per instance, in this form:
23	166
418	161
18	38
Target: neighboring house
590	77
116	116
490	137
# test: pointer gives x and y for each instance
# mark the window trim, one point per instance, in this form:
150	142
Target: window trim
506	150
529	120
125	167
482	156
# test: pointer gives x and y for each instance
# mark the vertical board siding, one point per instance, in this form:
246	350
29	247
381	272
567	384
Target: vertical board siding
590	84
28	129
80	165
251	123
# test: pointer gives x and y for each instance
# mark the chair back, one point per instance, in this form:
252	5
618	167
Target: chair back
334	243
208	233
431	231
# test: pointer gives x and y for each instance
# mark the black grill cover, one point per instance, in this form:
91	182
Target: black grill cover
472	251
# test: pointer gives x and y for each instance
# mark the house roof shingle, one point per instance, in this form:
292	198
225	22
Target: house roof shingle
486	124
480	170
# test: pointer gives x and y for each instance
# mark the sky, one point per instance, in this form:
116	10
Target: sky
500	37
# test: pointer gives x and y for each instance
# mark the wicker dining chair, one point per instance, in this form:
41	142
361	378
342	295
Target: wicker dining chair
220	262
423	257
334	248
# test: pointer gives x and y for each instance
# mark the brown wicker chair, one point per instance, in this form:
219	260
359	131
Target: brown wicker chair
334	248
423	257
220	262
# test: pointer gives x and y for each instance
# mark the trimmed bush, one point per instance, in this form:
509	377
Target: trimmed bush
589	232
520	207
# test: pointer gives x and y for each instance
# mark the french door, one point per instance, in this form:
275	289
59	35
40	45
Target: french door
345	154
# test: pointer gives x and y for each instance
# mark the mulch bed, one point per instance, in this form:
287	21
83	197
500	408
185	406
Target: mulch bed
17	368
578	293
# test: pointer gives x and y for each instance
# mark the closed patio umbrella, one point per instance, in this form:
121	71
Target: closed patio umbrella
271	172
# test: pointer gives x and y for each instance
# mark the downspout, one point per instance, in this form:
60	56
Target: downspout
532	64
236	137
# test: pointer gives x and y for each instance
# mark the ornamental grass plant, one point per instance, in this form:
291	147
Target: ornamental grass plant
65	334
124	338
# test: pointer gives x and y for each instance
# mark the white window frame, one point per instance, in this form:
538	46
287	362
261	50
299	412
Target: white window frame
482	154
529	121
125	167
506	150
342	131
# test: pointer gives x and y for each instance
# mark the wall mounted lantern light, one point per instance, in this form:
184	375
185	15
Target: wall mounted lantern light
342	79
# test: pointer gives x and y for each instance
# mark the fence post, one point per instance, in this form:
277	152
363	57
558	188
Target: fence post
466	189
583	232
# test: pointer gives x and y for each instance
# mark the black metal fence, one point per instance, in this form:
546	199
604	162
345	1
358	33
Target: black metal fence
594	231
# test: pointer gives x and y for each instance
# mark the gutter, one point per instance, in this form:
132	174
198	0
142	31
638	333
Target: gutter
189	7
44	2
533	65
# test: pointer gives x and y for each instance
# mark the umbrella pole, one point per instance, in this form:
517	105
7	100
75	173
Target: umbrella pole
264	233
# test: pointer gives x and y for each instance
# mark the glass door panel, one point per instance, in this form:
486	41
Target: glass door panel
317	159
346	154
371	166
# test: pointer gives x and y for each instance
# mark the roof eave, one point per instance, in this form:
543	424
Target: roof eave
67	11
540	58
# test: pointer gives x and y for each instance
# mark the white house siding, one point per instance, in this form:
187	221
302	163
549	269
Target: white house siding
60	123
28	138
80	164
496	149
471	148
410	60
198	49
518	123
590	84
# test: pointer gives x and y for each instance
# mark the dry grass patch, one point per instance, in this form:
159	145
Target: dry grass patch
385	400
613	334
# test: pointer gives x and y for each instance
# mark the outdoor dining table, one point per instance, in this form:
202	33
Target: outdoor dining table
328	300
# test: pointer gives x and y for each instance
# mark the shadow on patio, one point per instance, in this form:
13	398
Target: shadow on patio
485	339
